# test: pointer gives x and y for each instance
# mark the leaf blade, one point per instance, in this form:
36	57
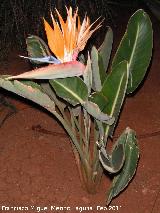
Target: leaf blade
87	76
106	48
98	72
136	48
37	48
94	110
72	89
126	174
114	88
29	90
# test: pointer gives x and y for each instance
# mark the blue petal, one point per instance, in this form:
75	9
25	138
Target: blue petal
47	59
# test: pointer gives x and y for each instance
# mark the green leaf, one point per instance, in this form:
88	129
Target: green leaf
54	71
106	48
98	72
99	99
118	157
32	84
94	110
122	179
29	90
37	48
114	89
112	162
8	85
87	75
51	93
136	48
72	90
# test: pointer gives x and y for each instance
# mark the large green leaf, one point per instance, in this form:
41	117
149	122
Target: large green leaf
122	179
114	88
54	71
73	90
106	48
29	90
136	48
36	48
98	71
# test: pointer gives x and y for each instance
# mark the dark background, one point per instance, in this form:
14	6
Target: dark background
20	18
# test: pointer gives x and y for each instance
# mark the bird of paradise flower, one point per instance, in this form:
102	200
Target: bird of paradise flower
66	39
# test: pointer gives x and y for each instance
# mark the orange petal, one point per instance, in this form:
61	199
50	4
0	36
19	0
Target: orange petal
71	30
79	24
55	40
85	33
62	23
64	29
59	39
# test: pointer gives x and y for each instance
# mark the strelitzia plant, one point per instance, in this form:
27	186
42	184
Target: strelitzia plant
85	98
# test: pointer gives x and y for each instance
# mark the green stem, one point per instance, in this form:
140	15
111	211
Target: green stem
72	136
87	132
106	135
77	125
96	164
49	91
95	150
86	169
82	137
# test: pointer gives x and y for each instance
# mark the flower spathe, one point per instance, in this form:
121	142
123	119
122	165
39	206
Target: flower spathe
67	38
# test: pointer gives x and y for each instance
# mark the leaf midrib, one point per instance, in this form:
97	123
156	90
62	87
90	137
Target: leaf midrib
133	50
115	100
70	91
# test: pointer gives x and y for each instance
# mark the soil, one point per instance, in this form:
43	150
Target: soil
37	168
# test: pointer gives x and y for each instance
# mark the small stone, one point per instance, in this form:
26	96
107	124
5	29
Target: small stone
41	137
85	200
145	191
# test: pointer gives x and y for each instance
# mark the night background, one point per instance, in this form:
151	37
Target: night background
20	18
